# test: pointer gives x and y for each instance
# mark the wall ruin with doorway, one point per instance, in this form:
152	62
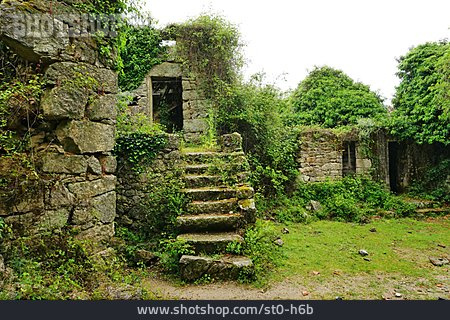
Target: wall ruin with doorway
193	108
324	154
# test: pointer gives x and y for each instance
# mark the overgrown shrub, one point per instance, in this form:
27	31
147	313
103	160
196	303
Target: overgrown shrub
255	111
329	98
349	199
435	184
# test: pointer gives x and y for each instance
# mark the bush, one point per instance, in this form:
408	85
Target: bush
255	111
434	185
349	199
329	98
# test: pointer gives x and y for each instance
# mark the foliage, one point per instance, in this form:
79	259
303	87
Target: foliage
171	252
210	48
435	184
138	140
349	199
258	246
140	50
329	98
422	101
255	111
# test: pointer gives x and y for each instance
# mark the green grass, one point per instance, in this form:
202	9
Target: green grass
399	246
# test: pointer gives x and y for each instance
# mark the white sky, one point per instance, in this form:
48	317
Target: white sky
286	38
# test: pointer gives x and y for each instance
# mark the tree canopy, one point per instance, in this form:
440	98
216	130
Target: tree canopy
422	100
330	98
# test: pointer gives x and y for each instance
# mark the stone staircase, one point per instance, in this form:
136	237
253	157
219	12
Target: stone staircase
218	210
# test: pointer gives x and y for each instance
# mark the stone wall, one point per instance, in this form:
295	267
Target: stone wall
320	154
72	145
135	188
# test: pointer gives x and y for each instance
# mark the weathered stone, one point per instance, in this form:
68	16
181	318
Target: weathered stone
65	102
439	262
58	195
194	267
279	242
109	164
32	202
245	192
97	234
145	257
196	125
166	69
211	223
62	163
105	206
97	79
53	219
86	136
210	243
31	45
314	206
248	208
94	165
363	252
101	208
88	189
231	142
103	107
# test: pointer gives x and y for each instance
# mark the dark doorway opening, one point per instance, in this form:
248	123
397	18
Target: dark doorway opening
349	158
167	95
393	166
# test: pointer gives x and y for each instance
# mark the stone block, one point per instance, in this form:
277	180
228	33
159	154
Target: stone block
86	137
62	163
88	189
100	80
166	69
65	102
94	165
58	195
195	125
231	142
109	164
103	108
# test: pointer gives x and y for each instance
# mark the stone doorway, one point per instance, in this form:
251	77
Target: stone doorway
393	148
349	158
167	102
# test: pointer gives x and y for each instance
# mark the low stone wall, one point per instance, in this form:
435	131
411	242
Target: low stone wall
134	188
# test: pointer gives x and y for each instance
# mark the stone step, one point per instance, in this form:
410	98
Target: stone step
433	211
209	156
210	193
227	268
219	206
209	222
199	181
197	168
210	242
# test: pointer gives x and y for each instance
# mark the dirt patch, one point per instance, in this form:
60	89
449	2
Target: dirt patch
377	286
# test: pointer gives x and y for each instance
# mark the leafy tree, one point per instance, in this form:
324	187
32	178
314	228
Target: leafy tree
329	98
422	100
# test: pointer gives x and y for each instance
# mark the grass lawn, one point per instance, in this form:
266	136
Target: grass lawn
323	257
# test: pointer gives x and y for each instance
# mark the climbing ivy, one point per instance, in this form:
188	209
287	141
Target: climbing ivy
210	48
